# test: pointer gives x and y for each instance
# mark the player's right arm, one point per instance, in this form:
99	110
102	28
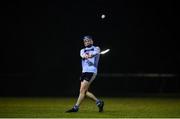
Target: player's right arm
83	54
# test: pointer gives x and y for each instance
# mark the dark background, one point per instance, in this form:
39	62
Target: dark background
41	40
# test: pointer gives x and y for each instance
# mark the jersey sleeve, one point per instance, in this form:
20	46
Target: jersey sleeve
96	51
82	54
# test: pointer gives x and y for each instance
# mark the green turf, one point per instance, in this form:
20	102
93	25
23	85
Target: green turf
114	108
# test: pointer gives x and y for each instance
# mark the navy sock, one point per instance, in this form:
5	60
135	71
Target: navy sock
76	107
98	102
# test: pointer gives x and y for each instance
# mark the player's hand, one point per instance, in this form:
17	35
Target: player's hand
90	55
86	56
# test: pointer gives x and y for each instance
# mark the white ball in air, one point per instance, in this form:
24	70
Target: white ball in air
103	16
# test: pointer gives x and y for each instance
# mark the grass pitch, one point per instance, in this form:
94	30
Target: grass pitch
114	108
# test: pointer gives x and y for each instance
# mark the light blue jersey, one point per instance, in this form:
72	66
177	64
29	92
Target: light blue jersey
90	64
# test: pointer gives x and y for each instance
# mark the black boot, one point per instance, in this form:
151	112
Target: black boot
100	105
74	109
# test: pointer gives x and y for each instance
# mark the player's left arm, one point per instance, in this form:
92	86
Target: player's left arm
95	52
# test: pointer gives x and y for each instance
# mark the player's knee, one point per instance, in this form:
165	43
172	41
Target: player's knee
83	90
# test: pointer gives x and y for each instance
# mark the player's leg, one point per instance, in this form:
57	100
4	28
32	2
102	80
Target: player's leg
85	84
83	89
99	102
87	79
91	96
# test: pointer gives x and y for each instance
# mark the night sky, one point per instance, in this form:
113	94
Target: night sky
41	41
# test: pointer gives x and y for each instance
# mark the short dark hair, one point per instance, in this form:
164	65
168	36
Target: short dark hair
87	37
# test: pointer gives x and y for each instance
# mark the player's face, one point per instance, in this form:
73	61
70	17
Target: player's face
88	42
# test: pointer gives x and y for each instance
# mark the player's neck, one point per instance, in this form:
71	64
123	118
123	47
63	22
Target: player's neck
89	47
